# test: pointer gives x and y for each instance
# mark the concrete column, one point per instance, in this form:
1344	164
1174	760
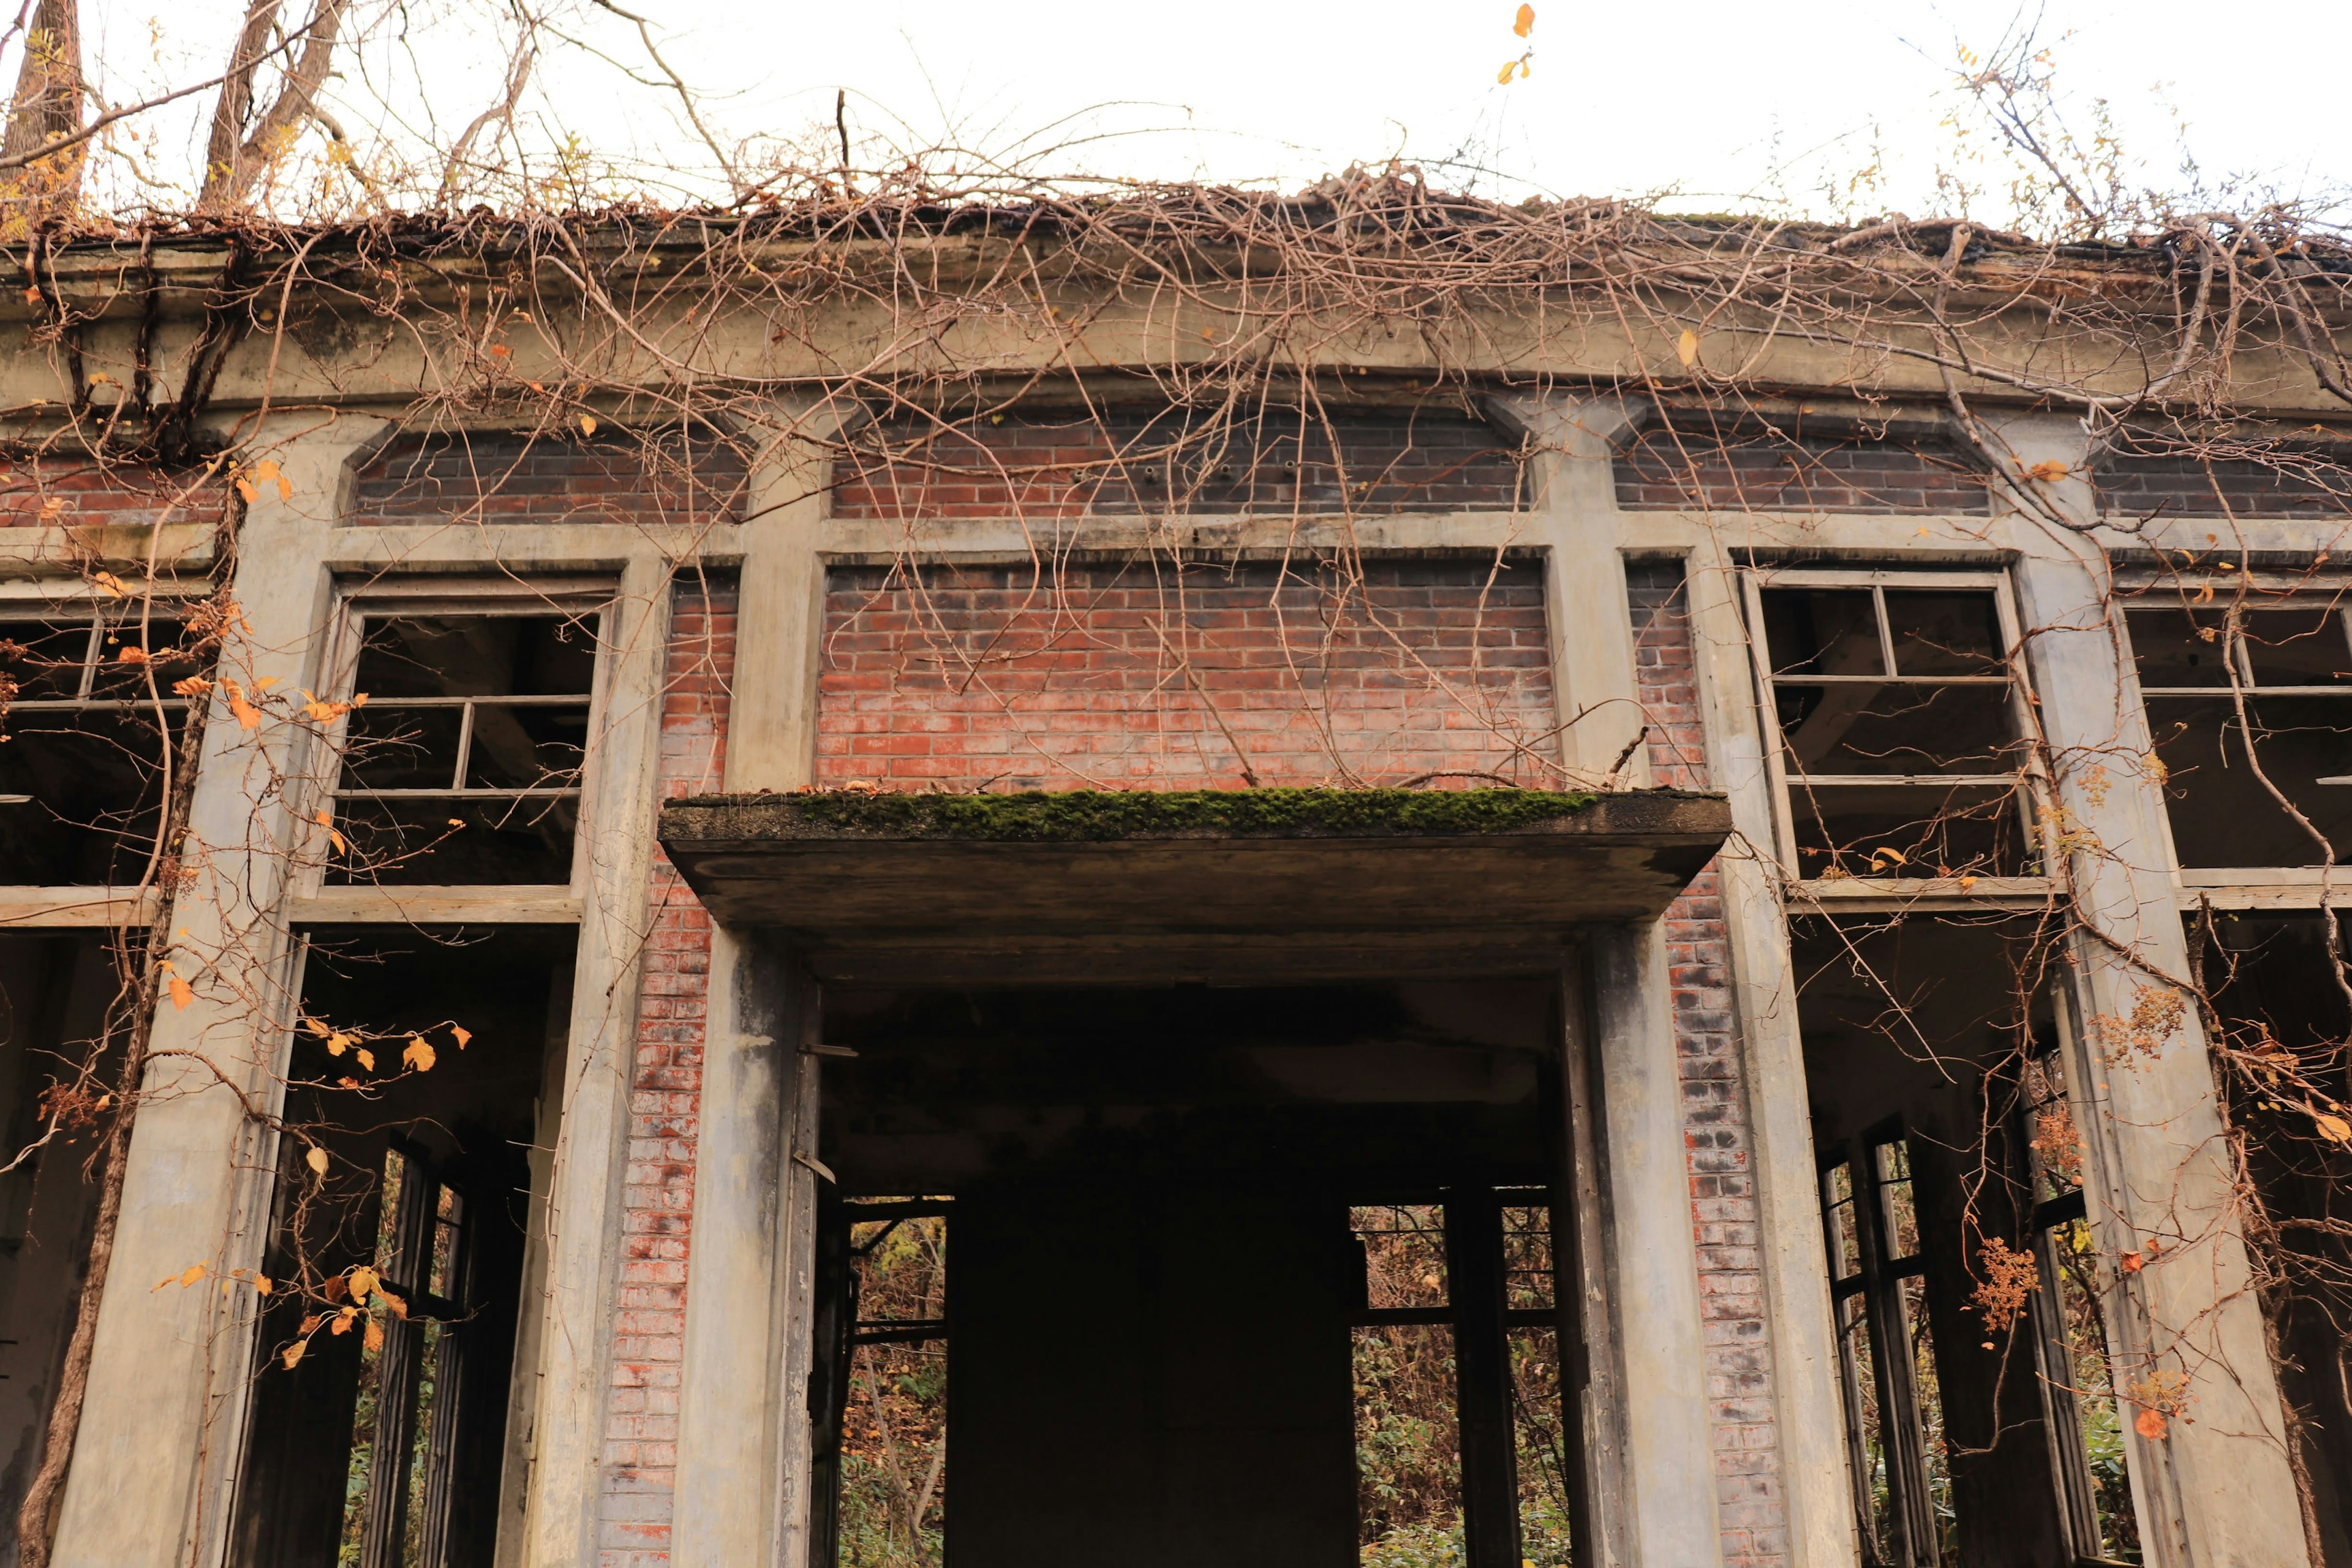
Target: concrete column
1668	1511
590	1155
1815	1484
2216	1491
160	1430
742	1432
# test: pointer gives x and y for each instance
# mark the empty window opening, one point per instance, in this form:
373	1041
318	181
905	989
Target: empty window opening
1898	740
87	707
880	1394
1969	1299
1460	1433
385	1430
2242	702
55	993
2281	1023
463	764
1175	1325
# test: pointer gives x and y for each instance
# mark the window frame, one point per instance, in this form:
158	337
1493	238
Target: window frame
2028	782
589	600
2239	887
56	601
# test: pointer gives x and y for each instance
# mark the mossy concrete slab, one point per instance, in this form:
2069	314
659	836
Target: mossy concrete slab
945	881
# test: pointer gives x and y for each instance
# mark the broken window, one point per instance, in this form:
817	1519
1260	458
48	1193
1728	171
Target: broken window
87	707
1981	1406
385	1428
2251	712
464	762
1895	723
55	991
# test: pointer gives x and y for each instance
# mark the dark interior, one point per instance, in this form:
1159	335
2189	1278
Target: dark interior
1153	1279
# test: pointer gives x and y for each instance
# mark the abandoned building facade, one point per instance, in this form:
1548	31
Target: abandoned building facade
996	960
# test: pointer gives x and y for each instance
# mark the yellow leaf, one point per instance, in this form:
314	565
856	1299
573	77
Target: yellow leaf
1686	348
342	1323
263	1284
2334	1128
1967	882
107	581
285	488
373	1339
2049	473
316	1158
587	424
456	821
265	470
364	1280
245	489
265	683
1524	23
418	1055
366	1059
398	1308
1889	852
182	993
464	1036
318	1025
1504	76
133	655
192	1273
294	1353
337	1044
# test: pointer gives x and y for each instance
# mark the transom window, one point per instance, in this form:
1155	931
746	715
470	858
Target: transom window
463	753
86	710
1895	725
2248	703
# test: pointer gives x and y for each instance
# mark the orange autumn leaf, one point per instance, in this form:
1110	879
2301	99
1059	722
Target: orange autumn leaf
1524	23
373	1339
418	1055
2130	1262
316	1158
2150	1424
398	1308
1686	348
294	1353
192	1273
366	1059
317	1025
2049	473
246	490
363	1279
465	1036
182	993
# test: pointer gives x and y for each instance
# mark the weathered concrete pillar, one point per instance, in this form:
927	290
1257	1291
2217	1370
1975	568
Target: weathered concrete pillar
163	1418
1668	1511
2216	1490
742	1441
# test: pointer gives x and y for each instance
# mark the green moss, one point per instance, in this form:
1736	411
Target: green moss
1084	814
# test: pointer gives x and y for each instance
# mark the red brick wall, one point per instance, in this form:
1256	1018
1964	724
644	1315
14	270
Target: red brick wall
1049	465
59	492
1759	468
1140	677
1723	1215
2294	484
665	1102
490	477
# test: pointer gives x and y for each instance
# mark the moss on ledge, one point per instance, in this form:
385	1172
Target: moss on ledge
1082	815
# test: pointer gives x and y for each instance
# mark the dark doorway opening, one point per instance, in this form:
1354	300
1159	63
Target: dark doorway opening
1122	1275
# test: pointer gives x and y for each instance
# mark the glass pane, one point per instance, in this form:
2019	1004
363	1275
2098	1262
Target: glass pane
1538	1418
1527	1257
526	748
1404	1254
140	664
1862	728
2083	1326
1408	1447
44	659
448	1219
1866	1431
452	842
1895	1201
1823	631
1844	1241
477	656
1913	1296
2222	813
2298	648
391	747
80	795
2178	647
1908	830
893	1490
1945	633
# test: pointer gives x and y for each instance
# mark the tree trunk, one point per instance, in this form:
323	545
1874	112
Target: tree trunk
48	106
242	146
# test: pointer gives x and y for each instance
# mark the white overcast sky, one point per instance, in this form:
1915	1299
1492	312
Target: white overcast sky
1721	105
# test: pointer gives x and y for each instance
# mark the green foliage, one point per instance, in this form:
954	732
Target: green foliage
1084	815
